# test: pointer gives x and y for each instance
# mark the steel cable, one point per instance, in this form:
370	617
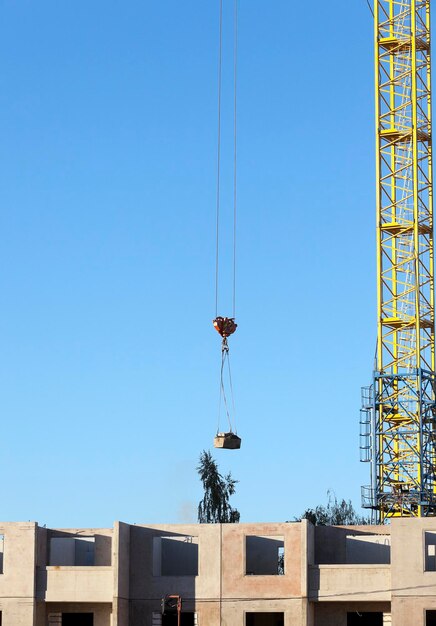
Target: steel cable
220	59
235	81
223	395
219	125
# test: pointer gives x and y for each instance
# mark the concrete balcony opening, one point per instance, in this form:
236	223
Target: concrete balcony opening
264	619
79	551
352	545
368	549
69	548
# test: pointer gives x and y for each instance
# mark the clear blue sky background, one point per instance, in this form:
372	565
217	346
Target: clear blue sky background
108	359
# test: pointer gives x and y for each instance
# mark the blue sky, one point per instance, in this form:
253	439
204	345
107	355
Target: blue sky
109	362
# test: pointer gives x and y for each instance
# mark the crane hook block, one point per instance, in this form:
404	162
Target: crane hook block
225	326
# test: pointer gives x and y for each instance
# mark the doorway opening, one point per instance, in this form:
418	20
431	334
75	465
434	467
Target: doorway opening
77	619
264	619
430	618
356	618
186	619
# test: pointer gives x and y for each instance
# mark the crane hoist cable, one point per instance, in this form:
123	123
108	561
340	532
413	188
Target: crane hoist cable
218	174
226	326
235	145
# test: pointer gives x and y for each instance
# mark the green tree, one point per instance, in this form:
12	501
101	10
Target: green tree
335	513
215	507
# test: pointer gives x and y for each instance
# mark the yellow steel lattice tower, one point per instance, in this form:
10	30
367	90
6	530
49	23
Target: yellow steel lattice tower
398	416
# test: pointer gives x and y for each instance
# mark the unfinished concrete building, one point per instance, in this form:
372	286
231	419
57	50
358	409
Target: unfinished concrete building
290	574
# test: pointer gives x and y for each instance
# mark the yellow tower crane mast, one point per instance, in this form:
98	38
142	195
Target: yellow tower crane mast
398	418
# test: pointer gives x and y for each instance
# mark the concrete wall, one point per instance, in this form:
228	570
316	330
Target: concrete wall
221	573
147	586
17	583
235	581
233	613
308	537
408	557
411	611
66	582
414	588
144	585
121	566
175	556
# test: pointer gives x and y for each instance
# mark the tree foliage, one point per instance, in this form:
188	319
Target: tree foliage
335	513
215	507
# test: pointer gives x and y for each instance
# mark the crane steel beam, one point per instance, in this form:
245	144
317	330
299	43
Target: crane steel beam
398	417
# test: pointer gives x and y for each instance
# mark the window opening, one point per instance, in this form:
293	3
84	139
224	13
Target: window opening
77	619
356	618
175	556
430	551
264	555
2	550
79	551
264	619
281	564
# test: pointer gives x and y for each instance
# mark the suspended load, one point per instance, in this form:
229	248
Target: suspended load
226	326
230	441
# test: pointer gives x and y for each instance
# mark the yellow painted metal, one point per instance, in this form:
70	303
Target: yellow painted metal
405	291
